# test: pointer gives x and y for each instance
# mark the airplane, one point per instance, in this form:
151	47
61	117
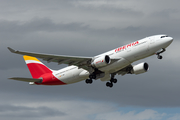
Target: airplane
104	66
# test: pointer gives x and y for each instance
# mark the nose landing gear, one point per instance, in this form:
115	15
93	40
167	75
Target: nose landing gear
159	57
158	53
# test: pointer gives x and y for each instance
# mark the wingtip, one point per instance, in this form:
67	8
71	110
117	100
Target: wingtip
12	78
11	50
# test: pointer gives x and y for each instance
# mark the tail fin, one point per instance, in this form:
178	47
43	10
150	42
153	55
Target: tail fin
36	68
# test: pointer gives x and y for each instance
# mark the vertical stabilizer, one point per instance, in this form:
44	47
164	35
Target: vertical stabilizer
36	68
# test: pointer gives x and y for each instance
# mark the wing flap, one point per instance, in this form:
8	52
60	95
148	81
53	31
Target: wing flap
125	70
26	79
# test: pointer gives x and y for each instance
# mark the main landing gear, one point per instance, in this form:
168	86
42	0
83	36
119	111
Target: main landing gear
112	80
110	84
91	77
158	53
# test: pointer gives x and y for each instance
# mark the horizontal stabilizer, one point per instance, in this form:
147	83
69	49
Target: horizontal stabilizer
26	79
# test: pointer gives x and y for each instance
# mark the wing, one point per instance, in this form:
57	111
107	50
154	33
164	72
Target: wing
81	62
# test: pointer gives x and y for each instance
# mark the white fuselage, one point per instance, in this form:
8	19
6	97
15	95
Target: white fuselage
124	56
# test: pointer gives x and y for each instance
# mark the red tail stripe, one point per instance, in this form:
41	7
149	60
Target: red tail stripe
37	70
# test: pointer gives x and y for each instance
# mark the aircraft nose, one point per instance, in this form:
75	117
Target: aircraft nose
170	40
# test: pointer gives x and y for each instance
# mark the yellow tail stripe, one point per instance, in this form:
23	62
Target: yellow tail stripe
30	58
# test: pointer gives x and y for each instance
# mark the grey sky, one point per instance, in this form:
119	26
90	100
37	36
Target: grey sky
87	28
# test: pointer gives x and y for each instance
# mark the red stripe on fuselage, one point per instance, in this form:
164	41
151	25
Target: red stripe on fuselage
50	79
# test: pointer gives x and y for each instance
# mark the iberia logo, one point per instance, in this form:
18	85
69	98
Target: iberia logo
126	46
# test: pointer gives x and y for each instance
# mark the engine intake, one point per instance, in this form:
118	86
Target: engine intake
140	68
101	61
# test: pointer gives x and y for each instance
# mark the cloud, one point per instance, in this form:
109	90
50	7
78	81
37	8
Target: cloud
37	24
79	109
147	114
65	110
175	117
22	112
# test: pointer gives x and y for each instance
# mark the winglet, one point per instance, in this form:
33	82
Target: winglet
12	50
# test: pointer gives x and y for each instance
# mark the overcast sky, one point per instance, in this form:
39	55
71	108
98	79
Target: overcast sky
89	28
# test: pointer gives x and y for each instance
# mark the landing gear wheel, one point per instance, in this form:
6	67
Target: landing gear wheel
109	84
92	76
113	80
159	57
89	81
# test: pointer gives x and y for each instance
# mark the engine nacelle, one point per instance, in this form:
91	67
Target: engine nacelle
140	68
101	61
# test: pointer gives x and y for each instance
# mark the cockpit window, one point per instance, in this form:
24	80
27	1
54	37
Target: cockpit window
164	36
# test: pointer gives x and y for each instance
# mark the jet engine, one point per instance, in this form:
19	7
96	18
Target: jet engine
140	68
101	61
